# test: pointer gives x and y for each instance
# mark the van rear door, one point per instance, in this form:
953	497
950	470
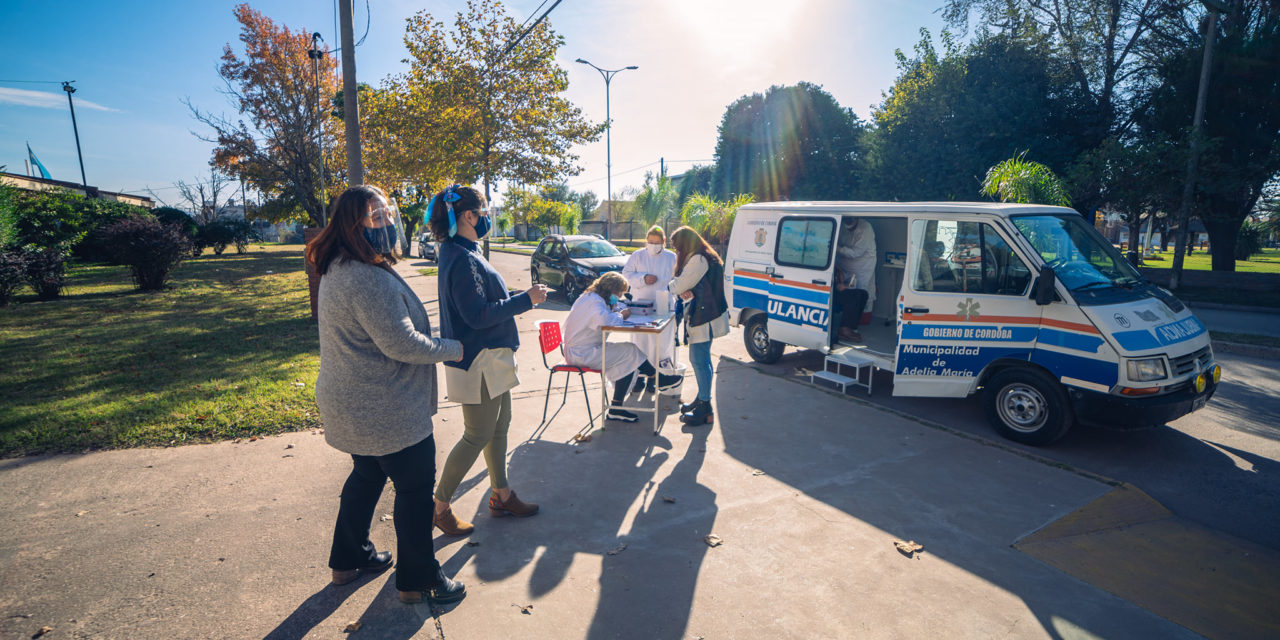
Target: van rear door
964	303
799	290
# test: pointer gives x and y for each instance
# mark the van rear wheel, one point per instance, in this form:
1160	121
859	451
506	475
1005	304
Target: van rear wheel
761	348
1027	406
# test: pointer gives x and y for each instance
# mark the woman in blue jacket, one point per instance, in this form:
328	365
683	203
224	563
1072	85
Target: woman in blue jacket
477	310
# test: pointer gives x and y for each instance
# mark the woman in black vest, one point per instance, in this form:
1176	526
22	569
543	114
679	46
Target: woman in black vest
699	282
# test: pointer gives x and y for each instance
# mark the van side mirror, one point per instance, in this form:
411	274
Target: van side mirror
1045	292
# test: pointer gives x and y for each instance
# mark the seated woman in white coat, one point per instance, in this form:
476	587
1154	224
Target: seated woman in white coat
648	271
596	307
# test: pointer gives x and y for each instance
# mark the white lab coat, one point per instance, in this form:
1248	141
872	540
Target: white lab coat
582	339
856	256
641	264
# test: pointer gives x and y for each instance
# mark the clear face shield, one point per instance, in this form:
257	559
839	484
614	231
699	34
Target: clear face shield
384	228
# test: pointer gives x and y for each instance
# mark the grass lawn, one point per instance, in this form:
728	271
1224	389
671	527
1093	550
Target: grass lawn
1266	262
228	350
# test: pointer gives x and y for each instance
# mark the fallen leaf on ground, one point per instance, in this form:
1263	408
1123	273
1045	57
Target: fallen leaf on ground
472	543
352	626
253	438
43	630
287	455
288	446
713	540
526	609
80	513
801	371
908	548
582	438
668	499
385	517
619	549
757	472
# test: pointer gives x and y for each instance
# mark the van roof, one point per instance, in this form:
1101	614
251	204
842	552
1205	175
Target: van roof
992	208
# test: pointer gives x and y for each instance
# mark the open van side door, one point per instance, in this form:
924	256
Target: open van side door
799	281
965	302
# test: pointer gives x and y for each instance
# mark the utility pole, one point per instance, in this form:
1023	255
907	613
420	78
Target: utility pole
66	86
314	53
1197	123
351	109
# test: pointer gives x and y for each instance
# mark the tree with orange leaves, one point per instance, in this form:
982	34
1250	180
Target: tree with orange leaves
274	144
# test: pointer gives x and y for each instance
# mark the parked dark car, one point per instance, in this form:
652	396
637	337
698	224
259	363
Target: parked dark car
426	247
571	263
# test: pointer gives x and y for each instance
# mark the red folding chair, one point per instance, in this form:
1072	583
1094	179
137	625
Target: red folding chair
549	340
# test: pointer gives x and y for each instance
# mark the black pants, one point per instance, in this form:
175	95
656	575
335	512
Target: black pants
413	470
623	384
849	302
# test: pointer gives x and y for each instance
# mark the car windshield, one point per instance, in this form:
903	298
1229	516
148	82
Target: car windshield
592	249
1079	256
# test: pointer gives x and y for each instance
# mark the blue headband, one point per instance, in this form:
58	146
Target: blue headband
451	196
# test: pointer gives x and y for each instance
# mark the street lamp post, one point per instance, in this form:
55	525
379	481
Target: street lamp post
66	86
315	54
607	74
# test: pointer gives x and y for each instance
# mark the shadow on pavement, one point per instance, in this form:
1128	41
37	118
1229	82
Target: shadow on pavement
909	484
315	610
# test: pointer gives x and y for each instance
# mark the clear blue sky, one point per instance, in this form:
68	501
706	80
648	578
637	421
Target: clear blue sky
134	61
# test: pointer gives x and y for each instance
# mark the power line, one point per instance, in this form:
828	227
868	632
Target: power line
526	31
533	13
367	17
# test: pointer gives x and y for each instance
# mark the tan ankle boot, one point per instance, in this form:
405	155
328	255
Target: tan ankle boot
511	506
451	525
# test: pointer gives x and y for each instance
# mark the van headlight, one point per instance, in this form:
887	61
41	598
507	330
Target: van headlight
1147	369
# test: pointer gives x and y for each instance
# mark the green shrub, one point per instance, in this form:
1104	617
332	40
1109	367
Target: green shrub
149	248
13	272
221	233
46	272
48	220
97	215
1248	240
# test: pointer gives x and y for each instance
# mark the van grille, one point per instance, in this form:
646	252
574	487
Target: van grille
1184	365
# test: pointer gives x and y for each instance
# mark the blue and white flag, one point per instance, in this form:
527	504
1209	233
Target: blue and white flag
44	173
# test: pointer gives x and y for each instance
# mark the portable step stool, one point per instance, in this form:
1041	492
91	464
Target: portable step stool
849	358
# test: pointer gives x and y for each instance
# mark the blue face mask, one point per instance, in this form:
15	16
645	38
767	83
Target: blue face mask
482	227
383	240
613	300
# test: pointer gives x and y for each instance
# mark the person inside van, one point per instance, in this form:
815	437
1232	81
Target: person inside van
855	280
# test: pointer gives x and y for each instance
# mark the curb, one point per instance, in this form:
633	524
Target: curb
1231	307
1243	349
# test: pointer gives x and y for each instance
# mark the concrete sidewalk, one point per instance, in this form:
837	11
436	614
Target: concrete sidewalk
807	489
230	540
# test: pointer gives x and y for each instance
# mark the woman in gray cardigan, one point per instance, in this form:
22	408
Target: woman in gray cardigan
377	392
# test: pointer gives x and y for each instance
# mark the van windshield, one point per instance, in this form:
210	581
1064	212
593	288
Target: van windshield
1079	256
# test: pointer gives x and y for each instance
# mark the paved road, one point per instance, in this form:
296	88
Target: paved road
1219	466
1240	321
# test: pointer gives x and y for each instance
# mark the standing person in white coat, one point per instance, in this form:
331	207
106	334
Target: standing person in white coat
648	271
855	274
596	307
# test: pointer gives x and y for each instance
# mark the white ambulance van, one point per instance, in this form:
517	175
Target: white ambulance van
1027	303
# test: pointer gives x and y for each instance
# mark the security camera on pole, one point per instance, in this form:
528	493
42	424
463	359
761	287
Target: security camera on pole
607	74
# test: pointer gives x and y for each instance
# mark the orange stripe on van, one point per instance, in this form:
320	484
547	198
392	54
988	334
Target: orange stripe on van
1047	322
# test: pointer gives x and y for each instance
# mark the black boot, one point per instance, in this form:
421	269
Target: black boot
699	415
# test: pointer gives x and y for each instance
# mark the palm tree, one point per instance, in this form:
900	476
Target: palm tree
658	200
1020	180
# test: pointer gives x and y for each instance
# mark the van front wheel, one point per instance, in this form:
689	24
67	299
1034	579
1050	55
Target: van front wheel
1027	406
759	346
